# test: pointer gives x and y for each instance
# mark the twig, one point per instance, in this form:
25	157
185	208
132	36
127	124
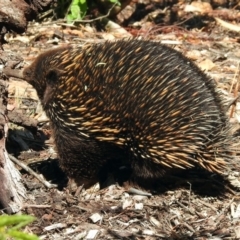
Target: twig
208	205
218	218
30	171
184	207
139	192
229	26
35	206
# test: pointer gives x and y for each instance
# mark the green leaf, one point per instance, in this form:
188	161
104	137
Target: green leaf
115	1
21	235
20	220
75	10
9	226
78	10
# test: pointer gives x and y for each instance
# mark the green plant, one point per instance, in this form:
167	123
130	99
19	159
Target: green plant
115	1
10	227
77	10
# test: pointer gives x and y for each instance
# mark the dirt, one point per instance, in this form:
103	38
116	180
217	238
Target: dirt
191	205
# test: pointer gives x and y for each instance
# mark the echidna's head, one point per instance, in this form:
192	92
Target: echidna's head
45	72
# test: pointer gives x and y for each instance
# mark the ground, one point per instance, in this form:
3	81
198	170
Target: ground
195	205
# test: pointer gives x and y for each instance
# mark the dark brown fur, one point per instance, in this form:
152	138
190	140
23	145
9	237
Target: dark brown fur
134	102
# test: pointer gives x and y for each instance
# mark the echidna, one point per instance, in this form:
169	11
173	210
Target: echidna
132	101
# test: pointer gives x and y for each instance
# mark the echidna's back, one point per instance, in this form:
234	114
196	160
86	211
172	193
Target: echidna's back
150	98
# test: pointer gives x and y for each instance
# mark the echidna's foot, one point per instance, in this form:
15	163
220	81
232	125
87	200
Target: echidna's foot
74	183
117	175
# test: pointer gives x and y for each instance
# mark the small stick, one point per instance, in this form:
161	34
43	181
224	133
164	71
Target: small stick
29	170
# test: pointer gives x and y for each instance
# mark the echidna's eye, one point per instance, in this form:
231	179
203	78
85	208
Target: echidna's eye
51	77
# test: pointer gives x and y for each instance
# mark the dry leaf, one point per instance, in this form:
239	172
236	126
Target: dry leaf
206	65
